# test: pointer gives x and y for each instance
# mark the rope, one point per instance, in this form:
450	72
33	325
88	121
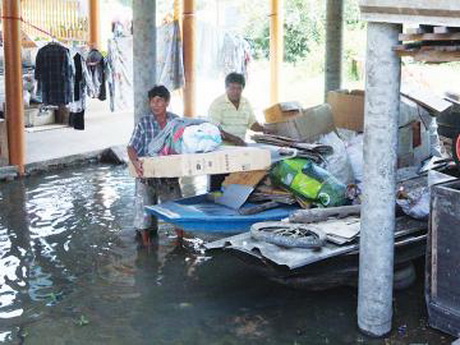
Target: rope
30	24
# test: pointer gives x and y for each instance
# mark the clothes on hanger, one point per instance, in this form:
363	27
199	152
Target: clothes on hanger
54	73
82	86
96	66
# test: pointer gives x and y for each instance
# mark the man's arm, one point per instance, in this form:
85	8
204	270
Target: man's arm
231	138
134	158
257	127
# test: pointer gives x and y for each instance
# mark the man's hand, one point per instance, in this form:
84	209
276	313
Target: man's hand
139	168
238	141
232	138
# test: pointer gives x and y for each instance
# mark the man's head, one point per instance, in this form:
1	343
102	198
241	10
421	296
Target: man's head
234	85
159	98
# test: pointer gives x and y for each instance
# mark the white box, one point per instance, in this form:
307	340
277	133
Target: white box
34	117
226	159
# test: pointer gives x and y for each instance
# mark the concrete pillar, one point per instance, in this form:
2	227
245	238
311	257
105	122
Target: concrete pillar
383	74
94	24
145	76
334	45
276	48
13	83
189	38
144	54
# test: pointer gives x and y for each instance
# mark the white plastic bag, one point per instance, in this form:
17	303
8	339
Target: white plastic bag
337	163
417	202
201	138
355	154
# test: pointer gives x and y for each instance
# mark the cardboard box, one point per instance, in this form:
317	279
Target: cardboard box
347	109
225	160
4	153
282	111
308	126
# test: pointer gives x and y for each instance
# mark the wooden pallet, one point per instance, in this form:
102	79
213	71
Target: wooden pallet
430	44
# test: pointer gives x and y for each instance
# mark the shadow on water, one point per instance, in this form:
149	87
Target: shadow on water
72	273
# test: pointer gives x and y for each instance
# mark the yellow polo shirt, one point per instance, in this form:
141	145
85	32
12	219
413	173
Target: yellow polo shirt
234	121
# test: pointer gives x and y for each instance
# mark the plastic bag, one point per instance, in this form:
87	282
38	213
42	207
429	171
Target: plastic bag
205	137
309	181
416	203
354	149
337	163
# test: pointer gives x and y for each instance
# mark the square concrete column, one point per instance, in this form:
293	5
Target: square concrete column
334	45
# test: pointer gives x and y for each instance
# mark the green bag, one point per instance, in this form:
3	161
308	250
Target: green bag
309	181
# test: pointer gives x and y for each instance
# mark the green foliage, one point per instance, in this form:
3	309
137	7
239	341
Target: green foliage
304	26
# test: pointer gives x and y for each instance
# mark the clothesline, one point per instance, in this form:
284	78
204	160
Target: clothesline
39	29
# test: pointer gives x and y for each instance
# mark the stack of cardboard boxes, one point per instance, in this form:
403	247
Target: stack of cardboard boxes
345	109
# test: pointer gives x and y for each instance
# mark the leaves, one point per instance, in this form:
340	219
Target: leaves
82	321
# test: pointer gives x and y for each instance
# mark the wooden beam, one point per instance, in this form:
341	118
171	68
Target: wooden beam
13	83
430	37
94	15
276	48
189	37
432	56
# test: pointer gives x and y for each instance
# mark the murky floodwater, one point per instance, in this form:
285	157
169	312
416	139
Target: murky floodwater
71	273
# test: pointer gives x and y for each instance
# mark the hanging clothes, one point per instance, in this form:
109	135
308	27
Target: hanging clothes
120	73
169	66
82	86
96	65
54	73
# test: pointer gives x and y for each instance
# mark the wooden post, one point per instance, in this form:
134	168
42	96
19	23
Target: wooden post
177	10
13	83
94	15
189	36
276	48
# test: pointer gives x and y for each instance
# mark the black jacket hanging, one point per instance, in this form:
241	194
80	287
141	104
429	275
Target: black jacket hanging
54	73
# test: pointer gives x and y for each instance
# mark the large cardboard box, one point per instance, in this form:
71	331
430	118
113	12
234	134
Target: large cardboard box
308	126
282	111
347	109
4	159
224	160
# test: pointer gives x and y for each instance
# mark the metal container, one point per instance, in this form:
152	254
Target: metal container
442	289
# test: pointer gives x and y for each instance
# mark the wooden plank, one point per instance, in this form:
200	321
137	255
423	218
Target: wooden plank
445	29
426	99
248	178
321	214
432	56
454	36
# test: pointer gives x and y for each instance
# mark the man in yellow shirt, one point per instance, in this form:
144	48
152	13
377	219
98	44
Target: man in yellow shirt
232	112
234	116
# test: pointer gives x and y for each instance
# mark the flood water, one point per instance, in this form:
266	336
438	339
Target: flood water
71	272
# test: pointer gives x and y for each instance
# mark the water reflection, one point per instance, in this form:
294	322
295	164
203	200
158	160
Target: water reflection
71	272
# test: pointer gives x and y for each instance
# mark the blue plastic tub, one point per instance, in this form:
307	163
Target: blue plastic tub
203	215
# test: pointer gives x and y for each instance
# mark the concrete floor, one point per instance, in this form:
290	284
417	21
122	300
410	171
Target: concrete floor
103	130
